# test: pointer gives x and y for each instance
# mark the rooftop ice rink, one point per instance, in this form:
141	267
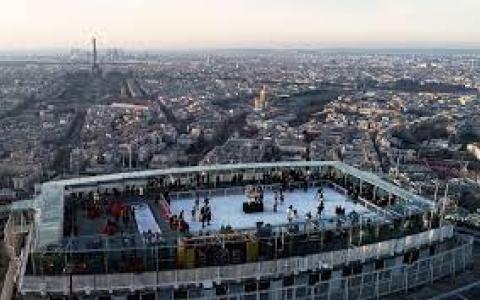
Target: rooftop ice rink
227	209
49	202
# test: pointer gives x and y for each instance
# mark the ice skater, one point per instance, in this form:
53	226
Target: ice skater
260	191
205	214
203	217
195	208
209	215
320	208
275	205
290	214
320	197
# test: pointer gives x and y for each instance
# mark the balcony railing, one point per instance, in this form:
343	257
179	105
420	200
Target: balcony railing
132	281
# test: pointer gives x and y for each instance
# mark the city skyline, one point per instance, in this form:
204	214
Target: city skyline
239	149
31	24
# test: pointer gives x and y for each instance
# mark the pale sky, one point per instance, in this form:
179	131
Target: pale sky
212	23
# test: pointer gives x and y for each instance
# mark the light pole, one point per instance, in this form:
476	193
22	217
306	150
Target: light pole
69	271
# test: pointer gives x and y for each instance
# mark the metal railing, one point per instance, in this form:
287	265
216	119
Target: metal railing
107	282
370	285
398	278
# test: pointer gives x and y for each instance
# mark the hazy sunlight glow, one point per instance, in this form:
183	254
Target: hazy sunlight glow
212	23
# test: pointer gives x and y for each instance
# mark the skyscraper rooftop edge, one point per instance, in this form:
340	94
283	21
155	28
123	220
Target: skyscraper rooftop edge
49	204
352	218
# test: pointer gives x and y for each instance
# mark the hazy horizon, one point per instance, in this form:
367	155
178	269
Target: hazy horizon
212	24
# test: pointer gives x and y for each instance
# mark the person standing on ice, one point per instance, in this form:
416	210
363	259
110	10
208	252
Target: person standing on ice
275	204
208	214
320	208
203	216
197	200
290	213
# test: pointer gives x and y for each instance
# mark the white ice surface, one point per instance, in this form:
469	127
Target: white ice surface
227	210
144	218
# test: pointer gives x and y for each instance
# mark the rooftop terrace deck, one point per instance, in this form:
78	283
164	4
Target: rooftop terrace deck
49	204
226	205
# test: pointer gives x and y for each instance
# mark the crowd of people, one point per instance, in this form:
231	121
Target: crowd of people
201	210
292	214
119	215
178	222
